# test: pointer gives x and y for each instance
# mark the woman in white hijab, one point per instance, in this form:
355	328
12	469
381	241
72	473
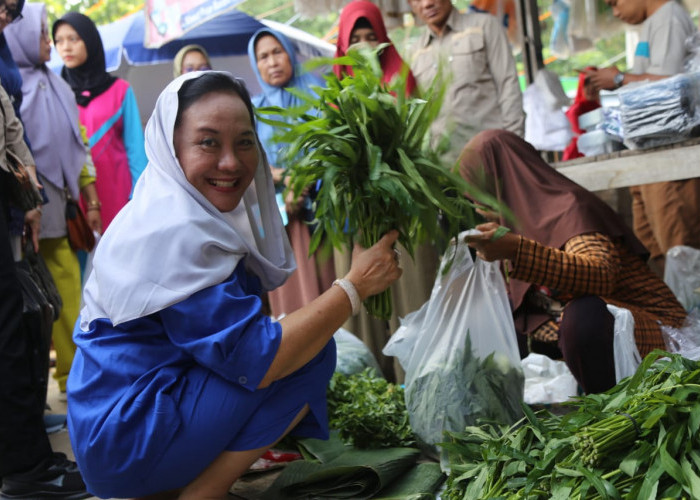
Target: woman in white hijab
180	382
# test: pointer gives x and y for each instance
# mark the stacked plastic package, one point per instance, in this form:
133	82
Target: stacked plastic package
661	112
603	131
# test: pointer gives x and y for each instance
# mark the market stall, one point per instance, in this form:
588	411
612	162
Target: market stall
634	167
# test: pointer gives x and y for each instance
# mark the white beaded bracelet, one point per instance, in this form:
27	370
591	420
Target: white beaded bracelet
352	294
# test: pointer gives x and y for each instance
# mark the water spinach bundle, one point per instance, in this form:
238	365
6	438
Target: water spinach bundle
368	411
639	440
365	145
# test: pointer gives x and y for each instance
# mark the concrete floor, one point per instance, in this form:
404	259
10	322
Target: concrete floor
249	487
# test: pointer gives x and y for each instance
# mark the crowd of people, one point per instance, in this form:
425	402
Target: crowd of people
193	215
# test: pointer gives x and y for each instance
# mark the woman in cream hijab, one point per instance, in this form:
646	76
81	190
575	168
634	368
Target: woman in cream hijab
180	382
191	58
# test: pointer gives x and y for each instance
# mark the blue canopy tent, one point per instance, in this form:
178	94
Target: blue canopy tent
225	38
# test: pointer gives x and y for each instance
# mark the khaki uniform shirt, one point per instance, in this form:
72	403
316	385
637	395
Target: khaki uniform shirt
474	58
13	138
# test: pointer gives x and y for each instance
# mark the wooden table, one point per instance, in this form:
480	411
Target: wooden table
633	167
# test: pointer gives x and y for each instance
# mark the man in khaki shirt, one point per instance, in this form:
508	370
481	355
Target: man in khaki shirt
471	54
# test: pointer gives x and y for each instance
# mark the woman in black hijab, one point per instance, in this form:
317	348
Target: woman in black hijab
108	111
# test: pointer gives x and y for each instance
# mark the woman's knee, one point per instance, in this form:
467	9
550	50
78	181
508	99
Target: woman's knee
586	323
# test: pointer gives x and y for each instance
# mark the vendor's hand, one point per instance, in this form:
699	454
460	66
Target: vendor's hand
374	269
292	203
488	249
488	214
602	79
277	175
94	220
32	223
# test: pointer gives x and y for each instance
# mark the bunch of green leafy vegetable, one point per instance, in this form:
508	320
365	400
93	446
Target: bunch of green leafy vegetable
368	411
367	143
451	396
639	440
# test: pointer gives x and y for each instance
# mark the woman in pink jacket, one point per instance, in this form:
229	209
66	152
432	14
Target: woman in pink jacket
108	111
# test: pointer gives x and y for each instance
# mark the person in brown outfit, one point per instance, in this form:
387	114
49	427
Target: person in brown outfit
569	254
665	214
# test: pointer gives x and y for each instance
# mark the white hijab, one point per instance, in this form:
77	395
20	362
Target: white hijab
169	241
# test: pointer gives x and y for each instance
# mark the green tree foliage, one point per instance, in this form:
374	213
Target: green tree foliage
102	11
105	11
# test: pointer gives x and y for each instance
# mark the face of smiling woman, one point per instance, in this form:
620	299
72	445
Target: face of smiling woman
215	144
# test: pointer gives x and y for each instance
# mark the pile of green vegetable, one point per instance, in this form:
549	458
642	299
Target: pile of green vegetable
368	144
368	411
451	396
639	440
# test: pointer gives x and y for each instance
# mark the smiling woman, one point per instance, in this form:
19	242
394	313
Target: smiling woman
215	144
203	395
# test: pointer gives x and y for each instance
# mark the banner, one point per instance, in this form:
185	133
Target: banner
170	19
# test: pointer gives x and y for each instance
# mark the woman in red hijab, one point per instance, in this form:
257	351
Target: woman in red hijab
570	254
361	22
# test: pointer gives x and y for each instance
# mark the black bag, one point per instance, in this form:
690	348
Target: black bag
34	264
19	187
37	322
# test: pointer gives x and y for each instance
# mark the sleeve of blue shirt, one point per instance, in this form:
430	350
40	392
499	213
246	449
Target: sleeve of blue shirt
133	137
222	327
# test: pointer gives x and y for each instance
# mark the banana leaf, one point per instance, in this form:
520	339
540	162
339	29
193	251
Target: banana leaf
356	474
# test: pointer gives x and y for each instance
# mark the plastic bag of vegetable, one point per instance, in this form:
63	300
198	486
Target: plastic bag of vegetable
353	356
464	362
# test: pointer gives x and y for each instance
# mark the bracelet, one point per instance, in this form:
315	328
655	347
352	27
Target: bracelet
94	204
352	294
93	208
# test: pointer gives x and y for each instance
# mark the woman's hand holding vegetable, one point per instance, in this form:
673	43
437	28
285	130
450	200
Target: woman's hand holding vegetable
374	269
490	247
307	330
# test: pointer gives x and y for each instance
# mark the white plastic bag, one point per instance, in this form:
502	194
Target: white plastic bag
353	356
627	358
685	340
547	380
459	351
682	275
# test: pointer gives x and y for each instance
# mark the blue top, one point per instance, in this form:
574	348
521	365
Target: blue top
154	400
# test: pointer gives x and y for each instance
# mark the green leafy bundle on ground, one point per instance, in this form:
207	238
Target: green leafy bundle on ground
367	143
639	440
368	411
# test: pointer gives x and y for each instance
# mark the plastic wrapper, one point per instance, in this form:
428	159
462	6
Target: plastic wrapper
685	340
459	351
692	47
661	112
612	122
546	126
590	20
547	380
626	354
682	275
353	356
